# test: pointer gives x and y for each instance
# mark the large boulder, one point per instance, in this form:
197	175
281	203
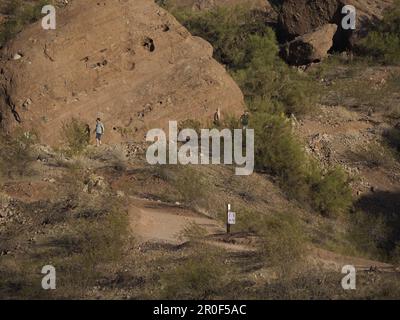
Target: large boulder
299	17
126	61
311	47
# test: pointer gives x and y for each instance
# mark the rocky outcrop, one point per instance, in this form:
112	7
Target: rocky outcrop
311	47
299	17
126	61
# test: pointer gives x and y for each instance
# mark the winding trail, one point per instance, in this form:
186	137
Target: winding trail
159	222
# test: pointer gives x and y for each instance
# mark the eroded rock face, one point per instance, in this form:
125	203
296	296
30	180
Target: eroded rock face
126	61
311	47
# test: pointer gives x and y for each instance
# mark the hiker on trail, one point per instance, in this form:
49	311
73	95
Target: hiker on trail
99	131
87	133
244	120
217	117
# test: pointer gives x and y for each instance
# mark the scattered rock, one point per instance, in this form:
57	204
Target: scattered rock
120	194
27	103
17	56
95	184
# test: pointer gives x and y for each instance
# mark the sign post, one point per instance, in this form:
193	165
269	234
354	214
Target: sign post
231	219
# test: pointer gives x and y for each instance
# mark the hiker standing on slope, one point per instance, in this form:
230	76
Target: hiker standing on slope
244	120
99	131
217	117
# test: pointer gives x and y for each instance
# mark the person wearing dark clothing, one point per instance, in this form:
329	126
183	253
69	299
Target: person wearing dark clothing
244	120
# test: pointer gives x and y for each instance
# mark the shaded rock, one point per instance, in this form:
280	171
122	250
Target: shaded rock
299	17
311	47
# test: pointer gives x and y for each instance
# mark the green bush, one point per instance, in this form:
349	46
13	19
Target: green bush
228	30
331	193
248	47
267	77
190	184
279	153
383	42
186	183
76	135
16	154
369	233
283	242
199	277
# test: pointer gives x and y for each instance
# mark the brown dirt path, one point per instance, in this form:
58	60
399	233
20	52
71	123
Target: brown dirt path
160	222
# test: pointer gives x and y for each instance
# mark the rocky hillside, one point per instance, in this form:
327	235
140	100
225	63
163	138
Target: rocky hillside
326	187
124	68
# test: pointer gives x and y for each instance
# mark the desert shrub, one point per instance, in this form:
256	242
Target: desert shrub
383	42
282	239
228	30
369	234
83	248
19	14
80	235
228	121
192	232
248	47
317	284
342	82
113	156
89	243
190	124
331	192
267	77
279	153
191	185
380	220
162	3
199	277
16	154
392	138
186	184
76	135
374	155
